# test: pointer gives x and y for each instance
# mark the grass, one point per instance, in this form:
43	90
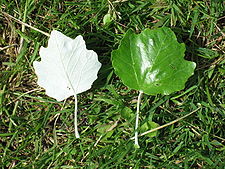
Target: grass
37	132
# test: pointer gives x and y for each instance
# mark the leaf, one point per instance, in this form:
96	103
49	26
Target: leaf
152	62
107	19
149	125
66	68
127	113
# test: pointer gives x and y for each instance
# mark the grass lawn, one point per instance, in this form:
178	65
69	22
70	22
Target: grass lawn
37	131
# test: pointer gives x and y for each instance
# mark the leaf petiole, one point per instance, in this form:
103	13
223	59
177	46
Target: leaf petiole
137	117
75	118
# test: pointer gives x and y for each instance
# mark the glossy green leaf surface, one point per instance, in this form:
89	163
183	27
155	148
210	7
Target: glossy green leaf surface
152	61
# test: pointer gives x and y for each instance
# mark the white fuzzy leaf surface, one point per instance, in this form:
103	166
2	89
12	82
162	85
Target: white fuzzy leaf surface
66	68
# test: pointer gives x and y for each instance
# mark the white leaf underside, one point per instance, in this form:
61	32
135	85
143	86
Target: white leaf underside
66	68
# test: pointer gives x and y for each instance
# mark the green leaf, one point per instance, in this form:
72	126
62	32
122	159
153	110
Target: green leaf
149	125
107	19
103	128
152	62
127	113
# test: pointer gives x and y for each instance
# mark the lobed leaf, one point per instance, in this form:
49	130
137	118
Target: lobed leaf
152	62
66	68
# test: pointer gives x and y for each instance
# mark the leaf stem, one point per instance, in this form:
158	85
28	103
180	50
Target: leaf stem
137	117
75	118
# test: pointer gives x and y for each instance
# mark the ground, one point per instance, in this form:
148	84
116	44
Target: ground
36	131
